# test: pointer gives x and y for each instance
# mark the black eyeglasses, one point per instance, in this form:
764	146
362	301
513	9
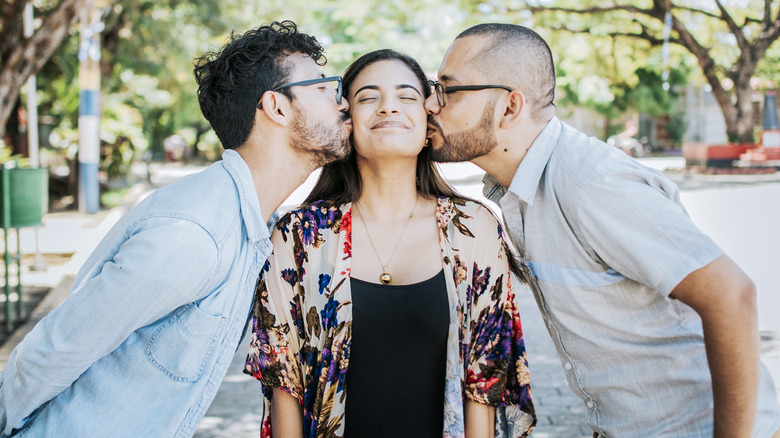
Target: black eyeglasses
442	91
336	79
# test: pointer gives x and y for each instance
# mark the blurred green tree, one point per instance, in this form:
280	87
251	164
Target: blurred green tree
22	57
727	38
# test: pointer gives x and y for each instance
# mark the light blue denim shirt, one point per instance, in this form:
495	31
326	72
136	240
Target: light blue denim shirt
607	240
142	342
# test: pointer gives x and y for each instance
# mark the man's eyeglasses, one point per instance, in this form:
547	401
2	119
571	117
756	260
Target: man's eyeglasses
336	79
442	91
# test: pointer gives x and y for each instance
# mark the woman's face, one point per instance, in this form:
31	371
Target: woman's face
386	104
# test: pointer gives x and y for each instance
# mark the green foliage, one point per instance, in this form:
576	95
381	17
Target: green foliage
678	124
9	159
148	49
113	197
608	73
767	74
719	47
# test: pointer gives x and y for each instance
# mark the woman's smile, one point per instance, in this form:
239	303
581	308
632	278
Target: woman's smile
389	124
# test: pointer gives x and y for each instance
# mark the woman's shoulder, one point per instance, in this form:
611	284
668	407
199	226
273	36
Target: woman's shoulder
311	208
313	218
470	217
465	209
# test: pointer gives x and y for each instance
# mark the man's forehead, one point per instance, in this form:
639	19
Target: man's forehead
304	66
457	65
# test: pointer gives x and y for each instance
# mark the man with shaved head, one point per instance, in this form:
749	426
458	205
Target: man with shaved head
655	326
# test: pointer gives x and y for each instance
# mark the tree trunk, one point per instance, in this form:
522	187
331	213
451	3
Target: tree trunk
22	58
736	104
742	132
737	107
109	40
13	132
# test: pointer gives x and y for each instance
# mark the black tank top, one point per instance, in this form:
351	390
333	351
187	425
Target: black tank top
398	358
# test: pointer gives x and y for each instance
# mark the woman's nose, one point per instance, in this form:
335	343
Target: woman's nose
387	105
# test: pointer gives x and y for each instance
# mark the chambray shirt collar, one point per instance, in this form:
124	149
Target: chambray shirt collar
247	195
525	183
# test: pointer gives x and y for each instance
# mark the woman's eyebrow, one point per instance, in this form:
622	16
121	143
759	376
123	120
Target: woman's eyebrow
397	87
367	87
402	86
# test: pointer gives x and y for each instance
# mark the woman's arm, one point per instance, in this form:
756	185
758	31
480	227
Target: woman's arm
497	370
480	420
286	415
274	343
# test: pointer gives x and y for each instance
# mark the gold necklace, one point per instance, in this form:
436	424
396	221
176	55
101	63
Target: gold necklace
385	277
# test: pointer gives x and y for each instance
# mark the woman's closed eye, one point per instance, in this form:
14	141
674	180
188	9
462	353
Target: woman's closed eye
363	97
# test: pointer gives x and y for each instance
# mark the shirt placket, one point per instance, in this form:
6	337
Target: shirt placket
514	210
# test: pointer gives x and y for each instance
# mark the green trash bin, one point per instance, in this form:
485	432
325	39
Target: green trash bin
28	195
24	199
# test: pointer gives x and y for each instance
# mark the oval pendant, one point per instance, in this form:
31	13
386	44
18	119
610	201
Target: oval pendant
385	278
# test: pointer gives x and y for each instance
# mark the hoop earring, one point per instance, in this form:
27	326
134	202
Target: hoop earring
428	141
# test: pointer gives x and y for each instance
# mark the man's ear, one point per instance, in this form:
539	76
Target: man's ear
515	103
276	108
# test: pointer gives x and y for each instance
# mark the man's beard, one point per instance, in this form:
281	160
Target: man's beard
324	142
467	145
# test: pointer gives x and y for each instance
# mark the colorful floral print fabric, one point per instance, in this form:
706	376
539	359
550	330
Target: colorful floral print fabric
303	319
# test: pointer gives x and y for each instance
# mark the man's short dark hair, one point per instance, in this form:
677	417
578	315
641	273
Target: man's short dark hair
520	58
232	81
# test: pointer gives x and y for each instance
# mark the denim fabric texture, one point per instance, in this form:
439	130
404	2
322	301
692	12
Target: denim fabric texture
142	342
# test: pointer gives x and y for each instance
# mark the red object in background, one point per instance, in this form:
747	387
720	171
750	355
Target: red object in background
704	155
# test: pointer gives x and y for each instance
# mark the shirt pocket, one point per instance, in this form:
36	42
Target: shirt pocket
182	346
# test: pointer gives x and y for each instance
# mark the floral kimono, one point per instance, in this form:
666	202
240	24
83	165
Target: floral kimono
302	325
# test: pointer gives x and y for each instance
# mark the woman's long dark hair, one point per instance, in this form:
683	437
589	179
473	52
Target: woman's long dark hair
340	181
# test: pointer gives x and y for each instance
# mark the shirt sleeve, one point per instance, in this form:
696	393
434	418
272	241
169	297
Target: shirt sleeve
636	225
274	344
497	367
148	277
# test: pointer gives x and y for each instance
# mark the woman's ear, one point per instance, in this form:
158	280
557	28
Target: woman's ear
277	110
515	103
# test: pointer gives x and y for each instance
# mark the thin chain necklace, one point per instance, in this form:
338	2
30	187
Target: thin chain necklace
385	277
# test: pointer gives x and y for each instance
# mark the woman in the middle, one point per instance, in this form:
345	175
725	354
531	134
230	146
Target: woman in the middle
387	307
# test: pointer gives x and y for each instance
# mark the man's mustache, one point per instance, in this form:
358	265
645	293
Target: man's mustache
433	122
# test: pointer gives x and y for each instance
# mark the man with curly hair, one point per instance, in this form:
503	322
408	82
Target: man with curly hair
155	315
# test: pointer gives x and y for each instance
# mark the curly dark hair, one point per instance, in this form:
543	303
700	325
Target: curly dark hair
232	81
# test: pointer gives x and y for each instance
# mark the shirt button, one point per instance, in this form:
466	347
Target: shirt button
590	404
567	366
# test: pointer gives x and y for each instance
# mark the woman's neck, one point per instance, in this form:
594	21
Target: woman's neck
389	189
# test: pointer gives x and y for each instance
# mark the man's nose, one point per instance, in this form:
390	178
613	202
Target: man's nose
432	105
344	105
